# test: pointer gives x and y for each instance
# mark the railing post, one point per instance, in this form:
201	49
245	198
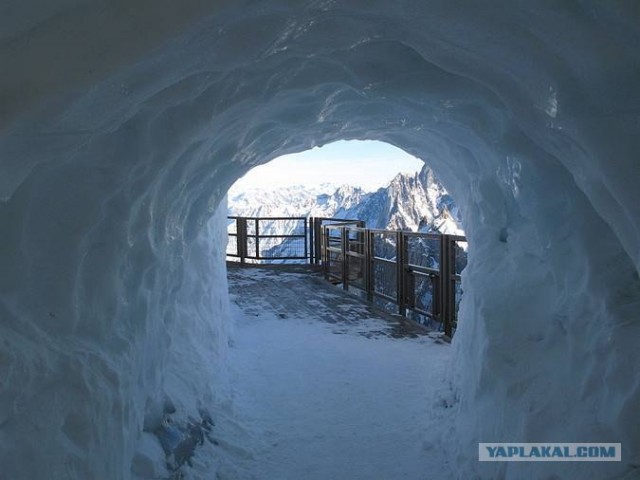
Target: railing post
368	264
257	232
401	267
436	298
345	259
241	230
306	243
312	243
318	237
409	278
452	282
445	284
325	253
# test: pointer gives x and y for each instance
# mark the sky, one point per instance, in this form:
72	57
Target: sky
368	164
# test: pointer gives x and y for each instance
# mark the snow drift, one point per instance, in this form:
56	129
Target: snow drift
123	125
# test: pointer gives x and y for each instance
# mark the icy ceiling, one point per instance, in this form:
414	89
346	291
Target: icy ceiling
123	124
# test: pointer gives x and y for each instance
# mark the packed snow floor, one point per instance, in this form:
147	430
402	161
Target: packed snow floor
326	387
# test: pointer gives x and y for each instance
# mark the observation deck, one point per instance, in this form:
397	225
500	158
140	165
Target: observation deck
413	274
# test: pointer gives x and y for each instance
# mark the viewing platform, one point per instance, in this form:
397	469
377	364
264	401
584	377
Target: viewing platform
300	291
413	274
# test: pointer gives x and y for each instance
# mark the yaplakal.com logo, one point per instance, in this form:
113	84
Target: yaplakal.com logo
549	452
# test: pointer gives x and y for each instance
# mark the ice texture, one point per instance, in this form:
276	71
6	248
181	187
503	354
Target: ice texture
123	124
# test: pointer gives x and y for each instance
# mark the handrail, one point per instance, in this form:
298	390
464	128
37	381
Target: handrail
250	243
407	233
268	218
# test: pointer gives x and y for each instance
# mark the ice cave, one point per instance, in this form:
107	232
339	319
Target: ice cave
123	124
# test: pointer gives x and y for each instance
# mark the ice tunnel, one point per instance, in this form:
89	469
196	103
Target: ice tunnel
123	124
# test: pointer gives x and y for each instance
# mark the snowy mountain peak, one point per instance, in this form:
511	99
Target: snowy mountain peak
411	201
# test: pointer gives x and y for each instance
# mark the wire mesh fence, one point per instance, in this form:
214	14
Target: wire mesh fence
385	279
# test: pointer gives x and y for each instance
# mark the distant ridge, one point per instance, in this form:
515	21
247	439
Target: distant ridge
416	202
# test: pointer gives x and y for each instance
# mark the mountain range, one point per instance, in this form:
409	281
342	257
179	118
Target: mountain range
415	202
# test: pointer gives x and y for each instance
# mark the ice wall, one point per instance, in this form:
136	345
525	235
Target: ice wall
123	125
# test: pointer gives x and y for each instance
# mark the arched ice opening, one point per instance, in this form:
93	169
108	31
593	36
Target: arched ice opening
124	126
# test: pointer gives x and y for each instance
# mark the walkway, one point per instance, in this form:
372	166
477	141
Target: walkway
329	387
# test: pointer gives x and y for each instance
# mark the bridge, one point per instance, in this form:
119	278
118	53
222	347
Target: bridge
413	274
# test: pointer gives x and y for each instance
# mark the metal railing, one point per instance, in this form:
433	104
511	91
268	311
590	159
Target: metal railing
256	239
316	233
418	273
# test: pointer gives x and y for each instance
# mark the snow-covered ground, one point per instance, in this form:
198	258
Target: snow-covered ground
334	401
